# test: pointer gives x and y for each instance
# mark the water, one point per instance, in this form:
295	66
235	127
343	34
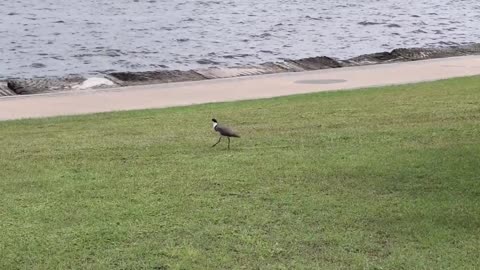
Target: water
51	37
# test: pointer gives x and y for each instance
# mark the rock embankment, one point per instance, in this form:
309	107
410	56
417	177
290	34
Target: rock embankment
12	87
5	90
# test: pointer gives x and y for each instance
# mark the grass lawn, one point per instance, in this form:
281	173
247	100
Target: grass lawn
384	178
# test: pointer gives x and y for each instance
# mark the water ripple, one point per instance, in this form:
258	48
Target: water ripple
51	37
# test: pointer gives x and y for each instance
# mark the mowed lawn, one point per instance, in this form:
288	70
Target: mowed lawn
384	178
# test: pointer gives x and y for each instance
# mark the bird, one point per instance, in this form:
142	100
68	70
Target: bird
224	132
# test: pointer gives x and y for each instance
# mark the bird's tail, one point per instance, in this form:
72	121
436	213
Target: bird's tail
236	135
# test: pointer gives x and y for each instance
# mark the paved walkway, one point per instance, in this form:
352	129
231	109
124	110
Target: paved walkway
263	86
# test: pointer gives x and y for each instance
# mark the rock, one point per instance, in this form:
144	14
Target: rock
315	63
43	85
273	67
413	54
471	49
92	83
4	90
153	77
217	73
373	58
288	66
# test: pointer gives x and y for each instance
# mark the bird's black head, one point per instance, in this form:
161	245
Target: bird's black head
214	120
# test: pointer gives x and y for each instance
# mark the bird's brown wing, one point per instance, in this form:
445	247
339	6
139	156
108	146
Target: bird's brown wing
226	131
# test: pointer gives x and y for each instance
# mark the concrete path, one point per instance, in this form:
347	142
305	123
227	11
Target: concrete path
263	86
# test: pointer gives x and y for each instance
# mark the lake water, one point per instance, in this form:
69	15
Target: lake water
52	37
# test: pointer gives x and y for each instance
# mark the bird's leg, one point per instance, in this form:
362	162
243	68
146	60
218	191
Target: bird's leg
218	141
228	143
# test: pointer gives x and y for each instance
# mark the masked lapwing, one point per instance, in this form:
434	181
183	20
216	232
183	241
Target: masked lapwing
224	132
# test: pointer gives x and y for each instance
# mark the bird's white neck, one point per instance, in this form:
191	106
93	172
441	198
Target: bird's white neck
214	125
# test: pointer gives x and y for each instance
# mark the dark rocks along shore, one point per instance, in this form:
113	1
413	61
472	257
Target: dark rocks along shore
19	86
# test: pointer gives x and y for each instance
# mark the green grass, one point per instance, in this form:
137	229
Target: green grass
384	178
